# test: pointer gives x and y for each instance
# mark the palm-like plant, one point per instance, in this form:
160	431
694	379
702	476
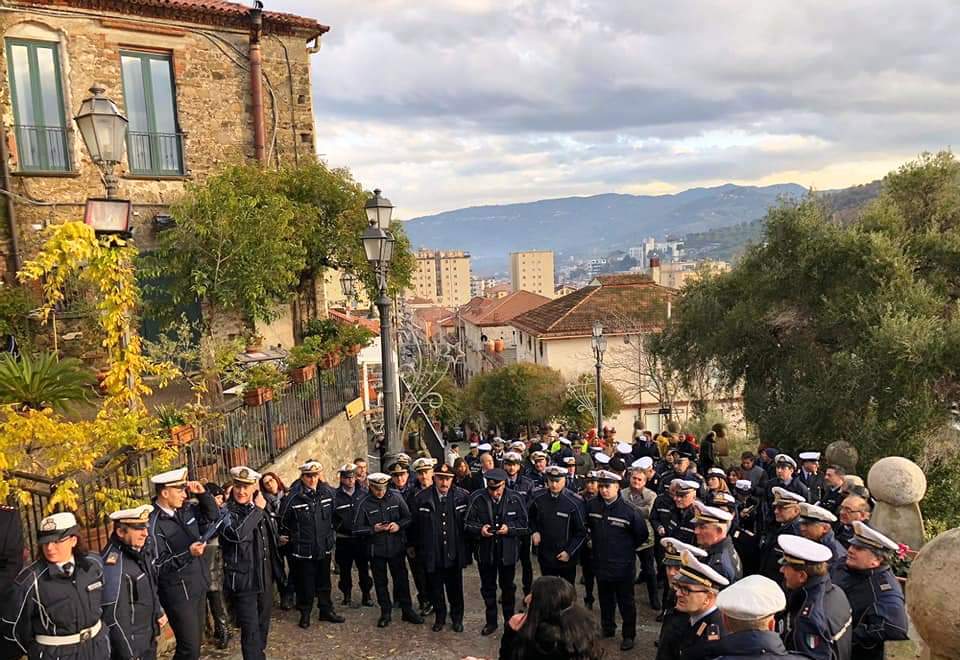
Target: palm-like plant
43	381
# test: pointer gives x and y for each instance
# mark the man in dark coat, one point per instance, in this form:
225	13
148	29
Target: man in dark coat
557	528
875	595
251	561
786	511
816	524
178	532
11	562
524	486
131	608
497	518
696	586
306	523
833	489
439	513
616	530
351	549
784	478
712	527
809	474
382	519
817	622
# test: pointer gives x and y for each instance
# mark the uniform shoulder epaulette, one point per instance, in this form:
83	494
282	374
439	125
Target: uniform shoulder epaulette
713	632
112	558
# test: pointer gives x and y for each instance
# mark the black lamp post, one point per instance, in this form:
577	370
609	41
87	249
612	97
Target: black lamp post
378	246
599	343
348	285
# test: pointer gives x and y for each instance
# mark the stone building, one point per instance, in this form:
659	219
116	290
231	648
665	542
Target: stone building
180	70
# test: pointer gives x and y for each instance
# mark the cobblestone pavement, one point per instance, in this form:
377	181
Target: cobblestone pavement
360	639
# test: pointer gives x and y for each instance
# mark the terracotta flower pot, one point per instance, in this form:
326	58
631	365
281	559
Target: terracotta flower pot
315	408
181	435
301	375
354	350
237	456
281	436
258	396
330	361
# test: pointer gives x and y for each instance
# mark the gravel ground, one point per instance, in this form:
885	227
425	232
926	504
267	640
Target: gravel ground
360	639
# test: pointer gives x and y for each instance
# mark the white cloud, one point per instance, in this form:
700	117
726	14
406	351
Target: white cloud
449	103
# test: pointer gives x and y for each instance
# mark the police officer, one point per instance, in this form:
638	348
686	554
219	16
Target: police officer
497	518
833	489
817	622
557	528
616	530
439	514
810	475
672	551
56	605
11	563
747	537
572	480
131	608
382	519
526	489
816	524
749	608
712	525
696	586
589	492
350	549
786	511
785	479
177	543
680	524
306	523
873	591
536	472
423	469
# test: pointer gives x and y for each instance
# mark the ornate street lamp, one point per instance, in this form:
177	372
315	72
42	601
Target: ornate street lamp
348	285
104	131
599	344
378	246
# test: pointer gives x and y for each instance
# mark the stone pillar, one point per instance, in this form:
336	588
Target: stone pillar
844	454
932	599
898	485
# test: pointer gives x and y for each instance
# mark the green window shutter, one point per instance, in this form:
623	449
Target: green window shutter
36	89
154	140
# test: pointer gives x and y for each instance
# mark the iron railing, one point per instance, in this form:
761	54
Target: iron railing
42	148
155	153
245	435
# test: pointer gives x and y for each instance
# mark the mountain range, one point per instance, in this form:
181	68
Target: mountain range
588	226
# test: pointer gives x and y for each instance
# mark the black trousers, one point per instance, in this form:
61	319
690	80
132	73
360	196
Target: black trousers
149	654
401	585
252	612
526	565
350	553
648	572
419	574
490	575
567	571
449	580
586	566
187	613
218	610
312	581
613	595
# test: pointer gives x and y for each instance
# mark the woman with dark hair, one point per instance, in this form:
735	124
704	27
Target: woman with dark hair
554	627
273	490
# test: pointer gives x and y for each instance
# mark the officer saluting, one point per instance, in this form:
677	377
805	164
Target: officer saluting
251	561
749	607
177	544
438	528
557	526
696	586
874	593
56	606
616	530
131	608
818	613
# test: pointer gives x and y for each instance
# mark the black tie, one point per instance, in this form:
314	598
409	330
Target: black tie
68	569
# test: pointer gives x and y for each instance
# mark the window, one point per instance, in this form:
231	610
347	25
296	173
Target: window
154	141
37	94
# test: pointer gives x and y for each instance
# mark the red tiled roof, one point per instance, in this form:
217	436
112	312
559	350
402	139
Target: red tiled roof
502	310
632	298
201	11
369	324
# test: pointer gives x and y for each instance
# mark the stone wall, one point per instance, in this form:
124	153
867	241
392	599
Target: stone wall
213	107
337	442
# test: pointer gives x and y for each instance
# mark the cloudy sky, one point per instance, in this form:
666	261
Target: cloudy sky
452	103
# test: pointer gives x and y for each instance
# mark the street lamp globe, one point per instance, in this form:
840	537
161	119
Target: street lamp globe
102	127
378	246
348	284
379	211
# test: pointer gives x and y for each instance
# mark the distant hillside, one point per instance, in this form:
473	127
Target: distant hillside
727	243
582	226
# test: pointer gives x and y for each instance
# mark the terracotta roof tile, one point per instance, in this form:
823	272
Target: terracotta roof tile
631	297
369	324
193	11
502	310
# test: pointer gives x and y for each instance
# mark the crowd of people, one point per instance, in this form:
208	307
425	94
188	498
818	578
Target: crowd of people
769	558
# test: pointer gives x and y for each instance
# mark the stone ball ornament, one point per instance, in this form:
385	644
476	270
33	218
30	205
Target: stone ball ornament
844	454
932	597
897	480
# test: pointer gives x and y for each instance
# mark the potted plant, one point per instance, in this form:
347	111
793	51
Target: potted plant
326	350
353	338
208	463
259	382
173	420
254	343
237	451
301	364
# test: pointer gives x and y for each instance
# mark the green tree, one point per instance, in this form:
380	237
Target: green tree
43	381
517	395
579	407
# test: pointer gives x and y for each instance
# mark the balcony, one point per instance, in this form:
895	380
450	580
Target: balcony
41	148
155	154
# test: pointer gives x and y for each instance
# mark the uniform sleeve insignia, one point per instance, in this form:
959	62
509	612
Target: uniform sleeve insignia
813	641
703	626
714	633
112	558
885	586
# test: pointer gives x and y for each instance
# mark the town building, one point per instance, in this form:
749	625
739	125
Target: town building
488	340
677	274
442	277
532	271
497	291
479	285
203	84
563	289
